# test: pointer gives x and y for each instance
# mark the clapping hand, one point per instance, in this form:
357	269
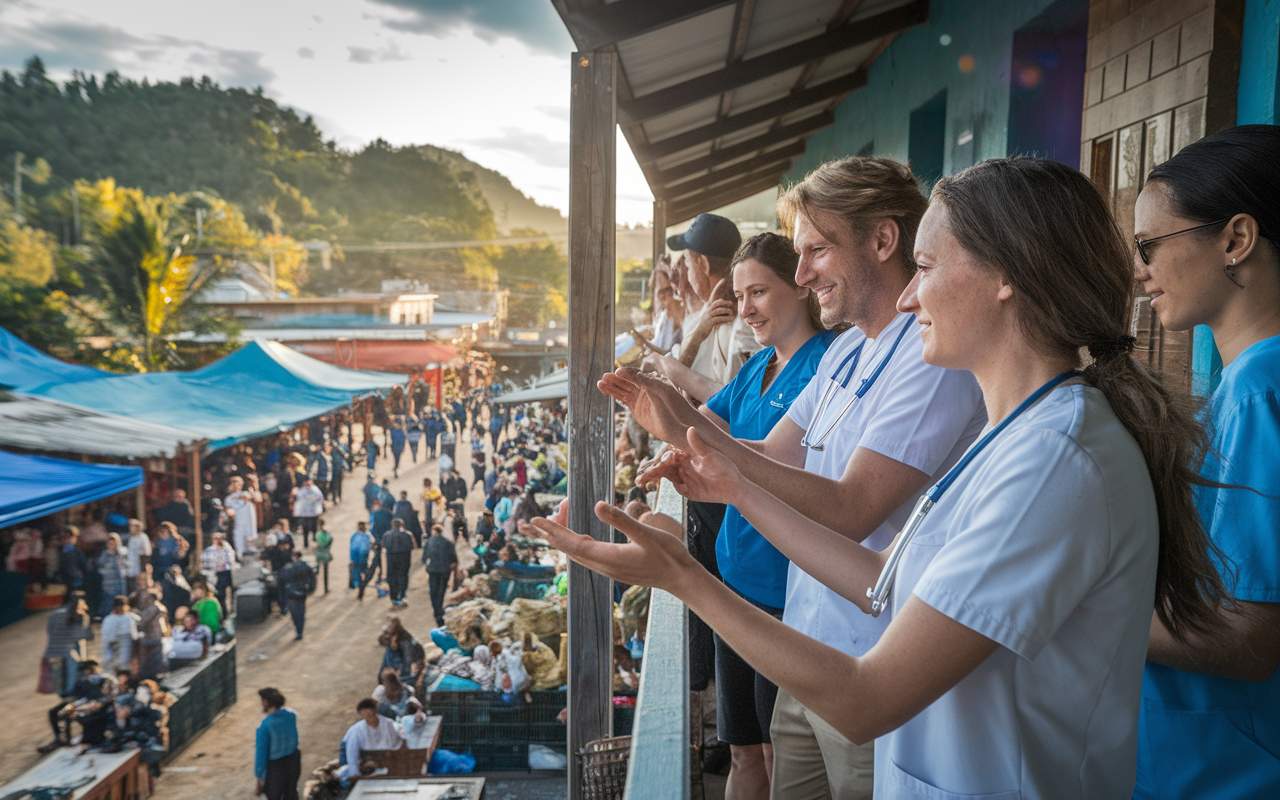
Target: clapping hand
703	473
655	403
651	556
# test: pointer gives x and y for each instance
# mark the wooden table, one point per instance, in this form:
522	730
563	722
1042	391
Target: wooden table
113	776
410	760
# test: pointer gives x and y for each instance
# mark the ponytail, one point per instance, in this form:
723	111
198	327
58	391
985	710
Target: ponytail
1050	233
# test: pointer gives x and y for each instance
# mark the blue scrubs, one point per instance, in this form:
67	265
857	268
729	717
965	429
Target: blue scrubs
1200	735
746	560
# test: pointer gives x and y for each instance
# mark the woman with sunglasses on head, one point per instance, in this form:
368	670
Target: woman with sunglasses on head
1026	578
1206	228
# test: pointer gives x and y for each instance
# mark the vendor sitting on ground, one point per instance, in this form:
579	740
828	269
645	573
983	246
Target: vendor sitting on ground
372	732
391	694
87	704
190	642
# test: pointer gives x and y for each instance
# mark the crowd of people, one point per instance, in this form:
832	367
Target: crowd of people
974	545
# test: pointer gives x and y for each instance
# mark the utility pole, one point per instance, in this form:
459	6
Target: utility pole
271	261
17	188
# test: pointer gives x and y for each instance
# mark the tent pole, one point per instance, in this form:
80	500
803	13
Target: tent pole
592	264
194	484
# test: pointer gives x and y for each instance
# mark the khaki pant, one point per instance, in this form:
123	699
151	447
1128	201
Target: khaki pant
812	761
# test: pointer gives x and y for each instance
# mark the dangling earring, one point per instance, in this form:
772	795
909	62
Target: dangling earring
1232	274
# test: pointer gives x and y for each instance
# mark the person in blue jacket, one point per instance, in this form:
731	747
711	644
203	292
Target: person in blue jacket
1207	228
398	440
277	762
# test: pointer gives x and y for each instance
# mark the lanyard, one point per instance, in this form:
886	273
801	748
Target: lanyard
879	595
829	392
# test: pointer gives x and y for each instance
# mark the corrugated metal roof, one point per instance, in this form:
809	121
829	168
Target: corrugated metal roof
712	90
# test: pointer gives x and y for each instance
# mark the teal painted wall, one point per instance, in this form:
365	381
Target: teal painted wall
1256	102
917	66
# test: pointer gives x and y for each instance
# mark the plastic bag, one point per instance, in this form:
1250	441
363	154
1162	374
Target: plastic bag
446	762
543	757
452	683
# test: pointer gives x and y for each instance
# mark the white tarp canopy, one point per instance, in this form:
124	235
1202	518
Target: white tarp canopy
38	423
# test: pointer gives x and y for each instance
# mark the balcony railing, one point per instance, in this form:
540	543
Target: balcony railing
660	755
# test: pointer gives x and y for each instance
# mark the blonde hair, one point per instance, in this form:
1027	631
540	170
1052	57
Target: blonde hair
859	191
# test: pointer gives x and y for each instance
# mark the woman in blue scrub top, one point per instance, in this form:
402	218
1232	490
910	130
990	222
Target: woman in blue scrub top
1208	223
1012	667
786	321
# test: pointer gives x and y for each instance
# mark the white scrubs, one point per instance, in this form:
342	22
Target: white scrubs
1047	545
920	415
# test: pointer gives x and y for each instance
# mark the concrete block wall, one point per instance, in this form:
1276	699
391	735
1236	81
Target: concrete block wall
1160	75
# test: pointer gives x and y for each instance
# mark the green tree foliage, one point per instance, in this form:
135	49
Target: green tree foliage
537	276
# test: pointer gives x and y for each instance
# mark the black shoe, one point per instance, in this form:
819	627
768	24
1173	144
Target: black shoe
51	746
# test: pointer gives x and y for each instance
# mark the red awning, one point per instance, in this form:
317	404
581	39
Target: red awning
375	354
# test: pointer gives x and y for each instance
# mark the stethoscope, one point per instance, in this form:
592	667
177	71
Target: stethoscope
830	391
879	594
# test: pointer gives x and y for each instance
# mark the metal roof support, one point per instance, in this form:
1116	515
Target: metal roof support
787	132
836	87
751	70
592	194
719	197
609	23
677	190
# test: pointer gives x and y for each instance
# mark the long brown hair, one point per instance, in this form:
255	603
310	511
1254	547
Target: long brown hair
778	253
1047	229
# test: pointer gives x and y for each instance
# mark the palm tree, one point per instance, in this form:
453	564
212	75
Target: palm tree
141	276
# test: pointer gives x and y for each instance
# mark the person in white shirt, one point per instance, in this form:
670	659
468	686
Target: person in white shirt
873	428
308	505
139	550
240	504
372	732
192	640
1023	587
119	631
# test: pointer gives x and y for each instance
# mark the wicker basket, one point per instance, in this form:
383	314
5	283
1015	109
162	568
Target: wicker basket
603	765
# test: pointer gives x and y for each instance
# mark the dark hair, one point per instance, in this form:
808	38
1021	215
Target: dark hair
778	253
368	702
1049	232
272	697
1234	171
120	601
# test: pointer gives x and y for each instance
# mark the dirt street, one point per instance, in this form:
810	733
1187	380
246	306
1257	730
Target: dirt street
323	676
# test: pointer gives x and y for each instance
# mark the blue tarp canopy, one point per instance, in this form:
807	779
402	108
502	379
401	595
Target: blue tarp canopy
23	365
261	388
35	486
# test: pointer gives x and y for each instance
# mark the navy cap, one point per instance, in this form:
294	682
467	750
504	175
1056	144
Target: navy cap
710	235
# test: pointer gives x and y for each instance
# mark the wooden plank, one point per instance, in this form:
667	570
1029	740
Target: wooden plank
673	192
751	70
195	482
659	230
609	23
836	87
592	194
724	155
660	754
718	198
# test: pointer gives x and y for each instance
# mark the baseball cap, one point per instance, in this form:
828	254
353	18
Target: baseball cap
710	235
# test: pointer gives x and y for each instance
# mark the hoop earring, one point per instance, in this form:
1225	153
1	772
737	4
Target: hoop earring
1231	274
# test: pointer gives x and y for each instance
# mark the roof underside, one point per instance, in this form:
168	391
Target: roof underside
718	97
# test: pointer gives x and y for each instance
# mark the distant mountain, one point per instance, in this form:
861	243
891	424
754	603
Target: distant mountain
512	208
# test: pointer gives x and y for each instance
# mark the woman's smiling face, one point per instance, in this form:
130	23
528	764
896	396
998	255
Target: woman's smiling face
767	303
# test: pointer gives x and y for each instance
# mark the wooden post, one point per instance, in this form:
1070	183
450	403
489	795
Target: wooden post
592	186
659	231
195	483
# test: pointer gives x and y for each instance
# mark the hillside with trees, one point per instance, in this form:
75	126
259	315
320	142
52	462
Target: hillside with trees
201	176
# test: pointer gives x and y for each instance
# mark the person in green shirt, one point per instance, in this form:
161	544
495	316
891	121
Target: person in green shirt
207	608
323	556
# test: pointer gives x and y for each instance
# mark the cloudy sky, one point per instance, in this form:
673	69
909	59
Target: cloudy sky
487	77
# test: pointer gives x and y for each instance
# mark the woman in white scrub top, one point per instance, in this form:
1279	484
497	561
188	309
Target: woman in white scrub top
1013	664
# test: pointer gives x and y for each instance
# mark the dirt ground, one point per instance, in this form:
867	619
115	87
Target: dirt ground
322	677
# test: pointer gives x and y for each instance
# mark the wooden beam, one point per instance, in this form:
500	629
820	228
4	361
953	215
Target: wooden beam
677	190
771	172
659	231
609	23
722	196
195	482
786	133
592	195
648	153
751	70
